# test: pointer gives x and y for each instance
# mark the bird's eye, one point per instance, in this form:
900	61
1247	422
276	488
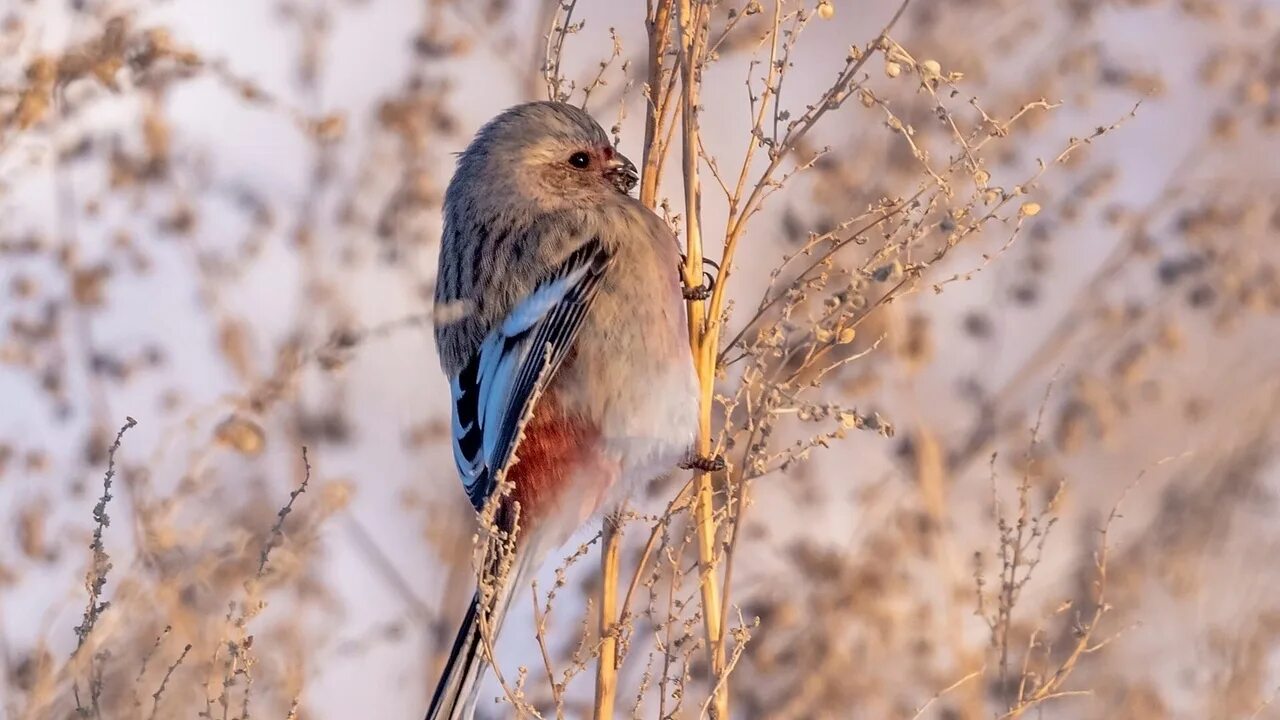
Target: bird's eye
580	160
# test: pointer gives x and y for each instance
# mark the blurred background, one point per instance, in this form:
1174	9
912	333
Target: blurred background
221	219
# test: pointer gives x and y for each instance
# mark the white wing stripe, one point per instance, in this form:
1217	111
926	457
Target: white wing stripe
494	391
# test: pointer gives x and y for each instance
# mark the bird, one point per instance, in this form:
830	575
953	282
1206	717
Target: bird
560	324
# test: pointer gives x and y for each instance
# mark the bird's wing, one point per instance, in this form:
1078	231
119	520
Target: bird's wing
496	391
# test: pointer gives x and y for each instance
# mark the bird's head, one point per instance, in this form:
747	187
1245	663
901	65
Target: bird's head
552	155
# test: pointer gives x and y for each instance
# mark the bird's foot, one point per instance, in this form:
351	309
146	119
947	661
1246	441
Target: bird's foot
705	463
703	291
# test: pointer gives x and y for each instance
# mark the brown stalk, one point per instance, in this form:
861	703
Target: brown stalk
607	667
658	23
694	18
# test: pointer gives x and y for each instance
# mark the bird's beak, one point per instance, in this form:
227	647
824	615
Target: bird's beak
622	173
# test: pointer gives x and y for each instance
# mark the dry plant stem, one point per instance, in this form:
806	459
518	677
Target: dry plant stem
607	668
164	682
660	86
96	578
740	211
276	536
540	633
694	17
920	713
560	31
1085	628
772	81
496	555
704	318
677	504
662	92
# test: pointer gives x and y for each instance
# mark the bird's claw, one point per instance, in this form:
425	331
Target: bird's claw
705	463
703	291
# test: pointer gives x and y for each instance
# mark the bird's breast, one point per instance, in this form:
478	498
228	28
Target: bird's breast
632	372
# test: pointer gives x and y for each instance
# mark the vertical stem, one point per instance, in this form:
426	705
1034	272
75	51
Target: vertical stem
607	668
692	18
693	26
659	27
689	59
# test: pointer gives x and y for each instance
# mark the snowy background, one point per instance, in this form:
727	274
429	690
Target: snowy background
168	249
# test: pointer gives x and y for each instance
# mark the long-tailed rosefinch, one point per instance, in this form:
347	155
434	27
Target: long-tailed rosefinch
560	325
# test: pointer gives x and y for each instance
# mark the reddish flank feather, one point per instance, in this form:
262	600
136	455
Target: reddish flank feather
554	446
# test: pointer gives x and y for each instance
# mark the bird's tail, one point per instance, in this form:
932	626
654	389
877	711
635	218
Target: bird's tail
455	694
459	686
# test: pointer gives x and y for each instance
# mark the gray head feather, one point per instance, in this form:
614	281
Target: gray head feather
520	160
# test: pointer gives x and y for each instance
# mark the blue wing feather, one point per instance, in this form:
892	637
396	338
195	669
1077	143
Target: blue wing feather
492	394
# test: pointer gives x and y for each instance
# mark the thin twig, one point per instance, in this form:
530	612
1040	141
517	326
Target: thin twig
277	531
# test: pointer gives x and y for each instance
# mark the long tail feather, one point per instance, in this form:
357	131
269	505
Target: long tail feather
459	686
